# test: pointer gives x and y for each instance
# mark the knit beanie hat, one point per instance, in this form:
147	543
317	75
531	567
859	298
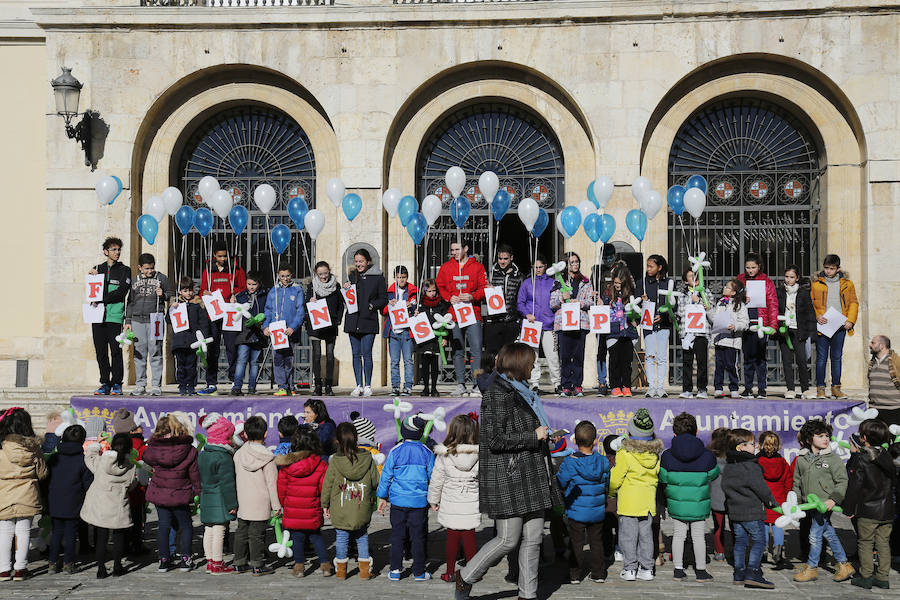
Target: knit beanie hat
412	428
641	425
218	429
365	429
123	421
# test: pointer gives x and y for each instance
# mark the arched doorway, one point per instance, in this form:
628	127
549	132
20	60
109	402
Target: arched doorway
243	147
764	170
525	154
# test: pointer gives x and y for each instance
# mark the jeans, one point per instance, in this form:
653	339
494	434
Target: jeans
777	534
299	536
656	350
699	350
400	344
284	368
636	541
601	373
414	520
726	362
571	357
109	355
167	516
754	349
752	534
822	528
145	347
361	347
317	359
246	355
698	539
548	345
798	355
529	529
832	347
473	334
342	540
595	559
63	535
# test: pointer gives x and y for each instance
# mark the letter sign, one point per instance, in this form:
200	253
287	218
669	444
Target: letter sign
179	317
496	303
232	319
215	305
279	335
465	314
599	319
421	329
531	333
571	316
648	311
695	319
350	299
93	288
157	326
318	313
399	315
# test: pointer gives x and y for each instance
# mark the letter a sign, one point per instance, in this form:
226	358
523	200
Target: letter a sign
648	312
318	313
496	303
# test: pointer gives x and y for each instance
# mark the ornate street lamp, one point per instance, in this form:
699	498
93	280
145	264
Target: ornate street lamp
67	91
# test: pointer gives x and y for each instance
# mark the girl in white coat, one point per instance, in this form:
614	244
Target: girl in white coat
453	490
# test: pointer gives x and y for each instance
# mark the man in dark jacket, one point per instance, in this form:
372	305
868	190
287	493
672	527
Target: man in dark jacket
116	281
503	329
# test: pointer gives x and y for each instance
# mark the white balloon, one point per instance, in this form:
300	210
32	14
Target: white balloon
314	222
172	200
603	190
652	204
264	197
586	207
488	183
561	229
106	189
455	180
207	187
335	191
640	188
390	200
156	208
695	202
528	213
221	203
431	208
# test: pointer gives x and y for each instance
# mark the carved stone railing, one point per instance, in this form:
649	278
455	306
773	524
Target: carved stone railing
237	3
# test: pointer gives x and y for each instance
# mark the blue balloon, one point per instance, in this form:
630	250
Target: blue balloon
636	221
297	209
148	228
591	196
351	204
607	228
203	221
238	218
675	198
459	210
696	181
541	224
592	225
500	204
571	220
184	218
406	209
417	227
281	238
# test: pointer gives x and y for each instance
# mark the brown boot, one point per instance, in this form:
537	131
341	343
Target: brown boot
844	571
807	574
326	569
298	570
341	566
836	392
820	391
365	568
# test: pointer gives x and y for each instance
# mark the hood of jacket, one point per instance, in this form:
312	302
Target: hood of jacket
739	456
465	458
170	452
512	270
20	450
254	457
70	448
810	455
352	471
687	448
774	467
298	464
372	270
586	466
646	452
881	459
109	466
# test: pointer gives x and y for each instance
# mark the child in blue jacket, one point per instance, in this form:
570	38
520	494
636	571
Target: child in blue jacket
404	483
584	479
285	302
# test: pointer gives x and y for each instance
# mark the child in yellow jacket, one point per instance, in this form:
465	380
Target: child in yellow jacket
633	480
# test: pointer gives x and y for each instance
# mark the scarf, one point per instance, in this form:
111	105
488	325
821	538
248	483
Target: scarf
790	304
533	400
321	290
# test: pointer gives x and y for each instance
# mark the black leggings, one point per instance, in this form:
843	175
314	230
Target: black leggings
430	370
620	363
118	540
317	359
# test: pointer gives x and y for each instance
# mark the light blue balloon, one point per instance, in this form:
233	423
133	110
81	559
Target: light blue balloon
696	181
459	210
571	220
351	204
237	218
591	196
184	218
607	228
203	221
636	221
675	198
281	238
148	228
297	209
591	226
541	224
500	204
406	209
417	227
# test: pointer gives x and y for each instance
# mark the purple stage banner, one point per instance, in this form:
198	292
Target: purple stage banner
609	415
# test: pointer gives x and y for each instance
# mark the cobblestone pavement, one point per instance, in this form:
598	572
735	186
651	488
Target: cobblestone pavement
143	581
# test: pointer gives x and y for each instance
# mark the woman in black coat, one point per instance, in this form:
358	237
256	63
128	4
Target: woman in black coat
371	297
514	482
795	303
325	286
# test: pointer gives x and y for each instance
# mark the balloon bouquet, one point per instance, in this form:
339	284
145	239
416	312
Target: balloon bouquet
649	203
598	226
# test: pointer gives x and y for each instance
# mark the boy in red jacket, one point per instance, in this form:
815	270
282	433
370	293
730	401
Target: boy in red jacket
754	347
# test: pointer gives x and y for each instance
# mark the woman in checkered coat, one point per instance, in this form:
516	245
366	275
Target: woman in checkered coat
514	482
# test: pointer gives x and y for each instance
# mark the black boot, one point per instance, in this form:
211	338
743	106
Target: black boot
779	560
328	390
318	389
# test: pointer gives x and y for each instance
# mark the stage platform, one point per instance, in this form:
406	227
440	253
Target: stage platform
610	415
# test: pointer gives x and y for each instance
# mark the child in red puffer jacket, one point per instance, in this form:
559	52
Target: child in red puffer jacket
300	476
779	477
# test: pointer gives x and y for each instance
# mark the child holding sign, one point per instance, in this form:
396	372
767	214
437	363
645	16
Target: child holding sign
795	304
150	291
833	290
656	335
284	304
187	317
116	282
622	333
694	340
762	303
571	301
401	303
250	340
431	304
325	286
729	321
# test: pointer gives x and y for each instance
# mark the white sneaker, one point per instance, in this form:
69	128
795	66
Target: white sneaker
790	395
719	394
645	574
685	395
617	557
357	391
367	391
627	575
459	391
735	395
475	393
702	394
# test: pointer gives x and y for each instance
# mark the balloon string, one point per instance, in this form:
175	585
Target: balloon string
271	255
305	255
532	251
425	256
